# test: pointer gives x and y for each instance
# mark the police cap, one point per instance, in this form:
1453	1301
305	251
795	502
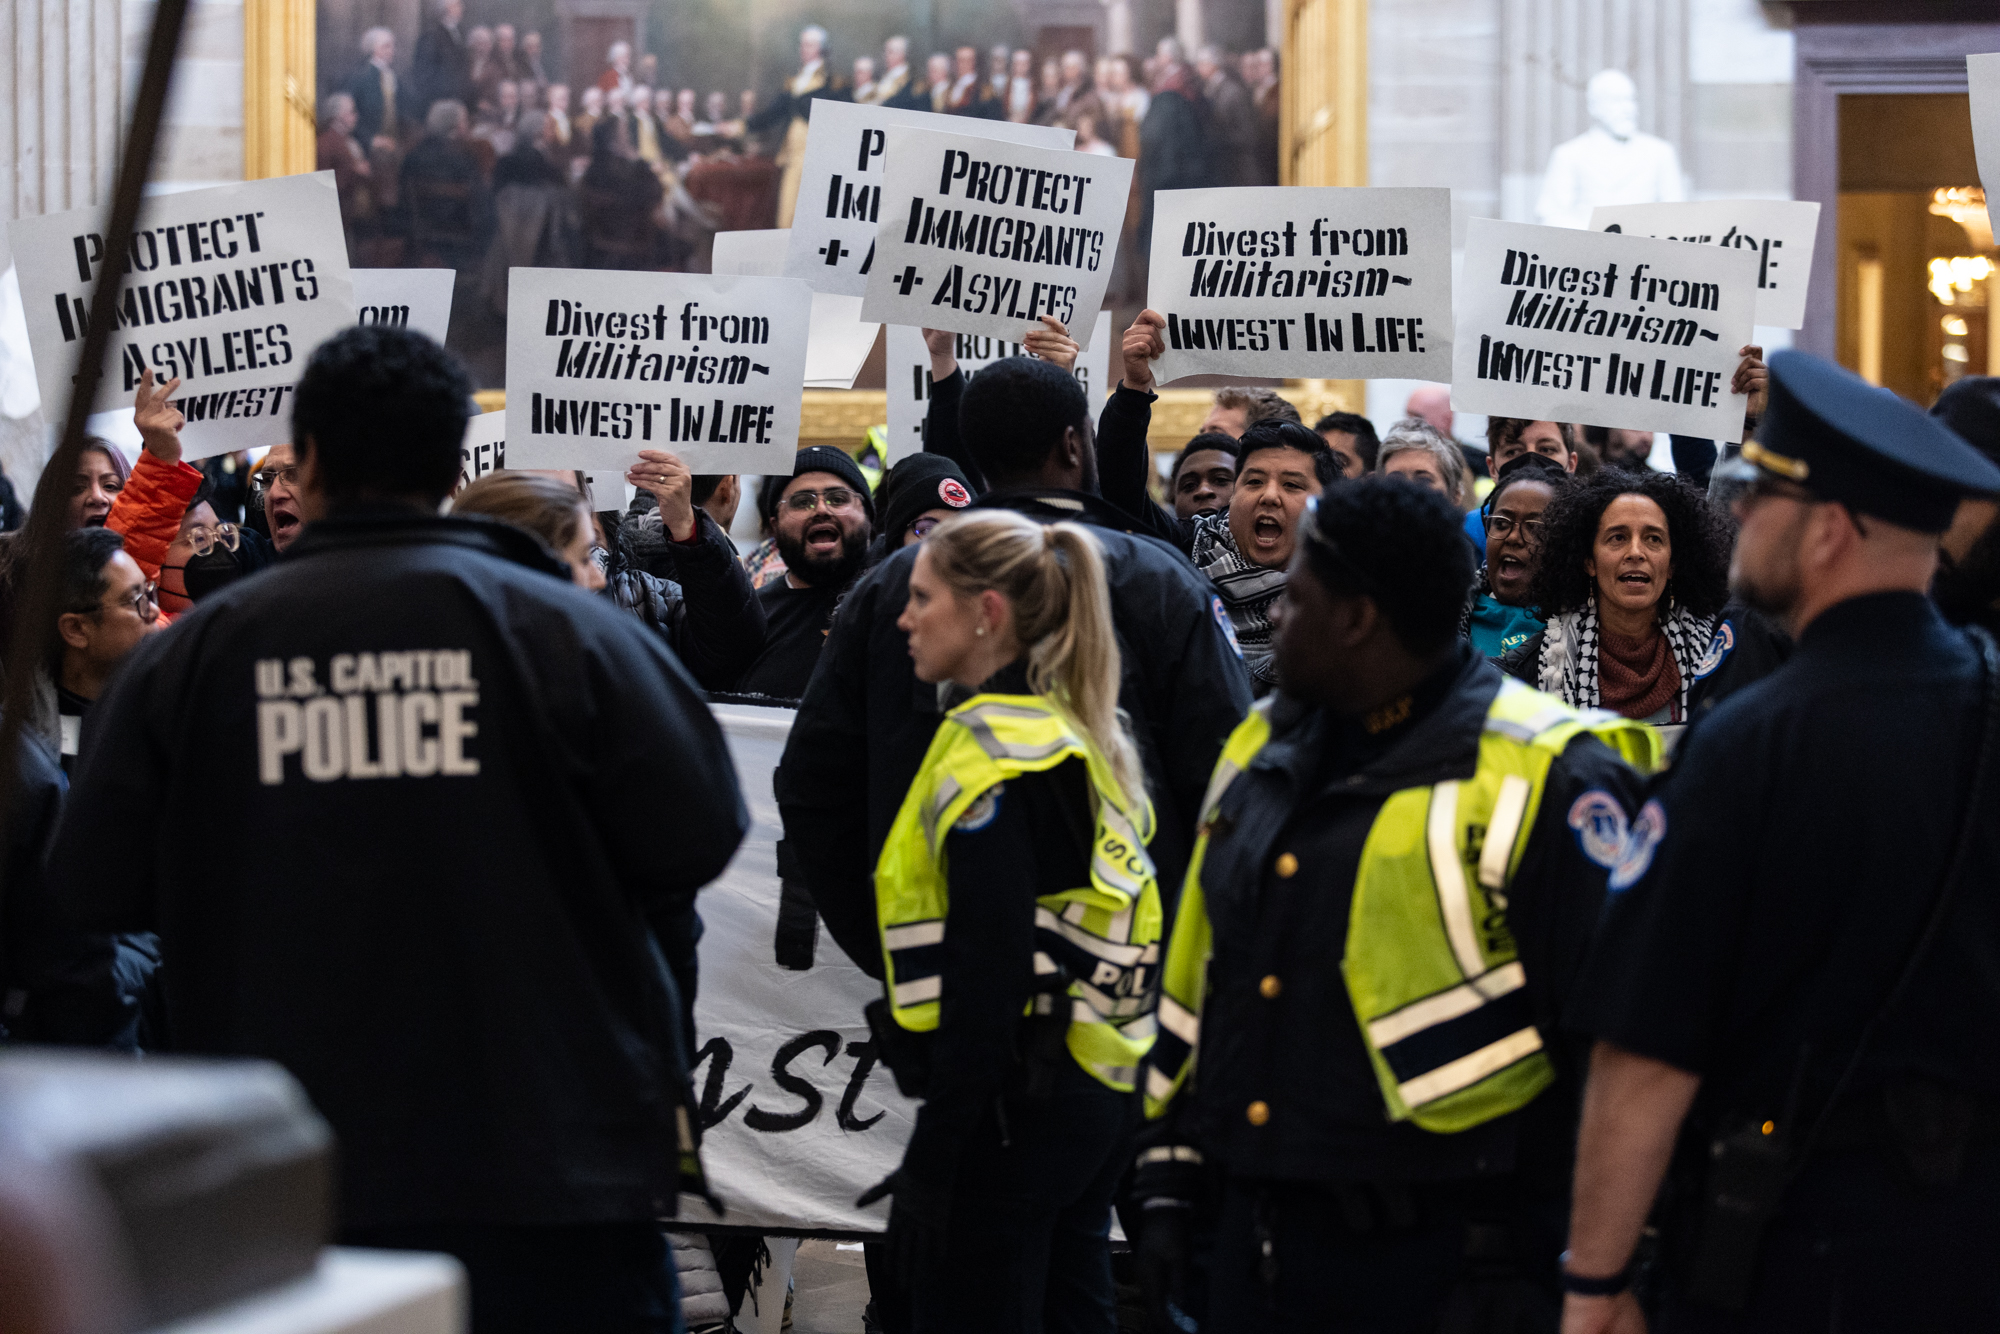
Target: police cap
1846	441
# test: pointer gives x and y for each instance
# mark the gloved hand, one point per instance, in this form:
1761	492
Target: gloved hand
918	1220
1161	1257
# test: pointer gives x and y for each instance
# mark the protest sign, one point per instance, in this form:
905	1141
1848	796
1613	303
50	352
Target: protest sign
838	341
1340	283
1779	232
417	299
1601	329
798	1116
832	242
228	289
601	365
981	237
1982	73
909	375
484	449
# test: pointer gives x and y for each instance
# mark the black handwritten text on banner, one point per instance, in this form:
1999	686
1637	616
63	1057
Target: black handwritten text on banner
1311	282
601	365
981	237
1779	232
1601	329
832	245
909	375
229	289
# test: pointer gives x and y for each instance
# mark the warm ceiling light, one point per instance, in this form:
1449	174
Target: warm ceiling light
1957	274
1966	206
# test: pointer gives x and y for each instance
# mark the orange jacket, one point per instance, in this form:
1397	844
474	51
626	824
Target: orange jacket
150	509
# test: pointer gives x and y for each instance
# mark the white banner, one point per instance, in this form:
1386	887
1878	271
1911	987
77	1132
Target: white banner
1779	232
229	289
909	375
1320	282
1982	73
980	237
1600	329
417	299
832	245
601	365
838	341
484	449
799	1117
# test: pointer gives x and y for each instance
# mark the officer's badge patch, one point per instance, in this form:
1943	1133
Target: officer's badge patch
1599	822
1222	619
1648	828
1718	649
982	812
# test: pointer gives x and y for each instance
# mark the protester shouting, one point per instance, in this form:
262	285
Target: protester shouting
467	769
1370	1128
866	722
1498	616
1018	910
1507	439
1634	568
279	473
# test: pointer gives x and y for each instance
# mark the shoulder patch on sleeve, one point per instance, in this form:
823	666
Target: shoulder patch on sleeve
1222	619
1600	825
1649	827
1718	649
985	808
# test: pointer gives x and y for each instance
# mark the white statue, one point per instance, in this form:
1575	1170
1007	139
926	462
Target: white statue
1609	163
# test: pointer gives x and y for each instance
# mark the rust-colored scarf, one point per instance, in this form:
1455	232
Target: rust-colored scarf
1636	675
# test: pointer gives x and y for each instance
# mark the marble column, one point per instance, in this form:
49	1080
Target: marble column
1548	51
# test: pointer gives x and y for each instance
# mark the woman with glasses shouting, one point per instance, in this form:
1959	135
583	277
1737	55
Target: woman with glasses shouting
1498	617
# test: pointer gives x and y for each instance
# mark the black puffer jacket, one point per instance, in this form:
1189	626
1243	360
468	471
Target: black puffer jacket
695	593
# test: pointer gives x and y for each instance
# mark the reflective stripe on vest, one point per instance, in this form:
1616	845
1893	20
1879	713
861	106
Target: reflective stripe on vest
1431	966
1104	936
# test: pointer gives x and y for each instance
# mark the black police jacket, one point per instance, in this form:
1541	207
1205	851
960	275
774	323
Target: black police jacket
1294	1044
442	927
866	720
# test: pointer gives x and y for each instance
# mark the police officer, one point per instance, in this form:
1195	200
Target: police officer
1015	881
1401	862
468	789
1799	982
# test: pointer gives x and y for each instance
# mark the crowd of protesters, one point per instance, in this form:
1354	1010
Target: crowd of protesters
473	157
1153	609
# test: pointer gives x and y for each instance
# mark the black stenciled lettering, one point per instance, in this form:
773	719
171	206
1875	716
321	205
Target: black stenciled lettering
772	1123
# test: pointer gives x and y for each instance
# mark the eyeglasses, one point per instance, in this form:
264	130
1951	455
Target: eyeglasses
836	498
1501	527
205	539
143	602
922	527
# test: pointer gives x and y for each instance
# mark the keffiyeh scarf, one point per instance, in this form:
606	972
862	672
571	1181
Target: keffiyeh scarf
1247	591
1568	665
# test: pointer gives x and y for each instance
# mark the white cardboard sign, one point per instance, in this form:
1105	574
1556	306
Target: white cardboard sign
229	289
909	375
1308	282
832	243
417	299
1982	73
980	237
838	341
1779	232
1601	329
601	365
484	449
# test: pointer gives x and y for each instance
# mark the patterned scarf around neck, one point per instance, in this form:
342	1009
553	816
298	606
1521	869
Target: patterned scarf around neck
1568	667
1247	591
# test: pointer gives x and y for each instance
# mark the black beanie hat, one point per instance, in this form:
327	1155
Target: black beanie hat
825	458
919	483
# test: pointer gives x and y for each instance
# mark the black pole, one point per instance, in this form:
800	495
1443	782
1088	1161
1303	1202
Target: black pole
39	553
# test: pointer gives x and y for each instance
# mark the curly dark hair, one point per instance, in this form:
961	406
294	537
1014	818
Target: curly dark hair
1700	540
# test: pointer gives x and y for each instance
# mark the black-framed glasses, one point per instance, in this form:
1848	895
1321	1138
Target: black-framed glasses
1500	527
143	602
836	498
205	539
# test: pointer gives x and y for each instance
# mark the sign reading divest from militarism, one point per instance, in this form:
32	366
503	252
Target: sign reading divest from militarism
832	245
1601	329
601	365
228	289
417	299
909	375
1322	282
981	237
1779	232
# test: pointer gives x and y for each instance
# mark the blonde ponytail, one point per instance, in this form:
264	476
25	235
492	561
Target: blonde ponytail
1053	577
